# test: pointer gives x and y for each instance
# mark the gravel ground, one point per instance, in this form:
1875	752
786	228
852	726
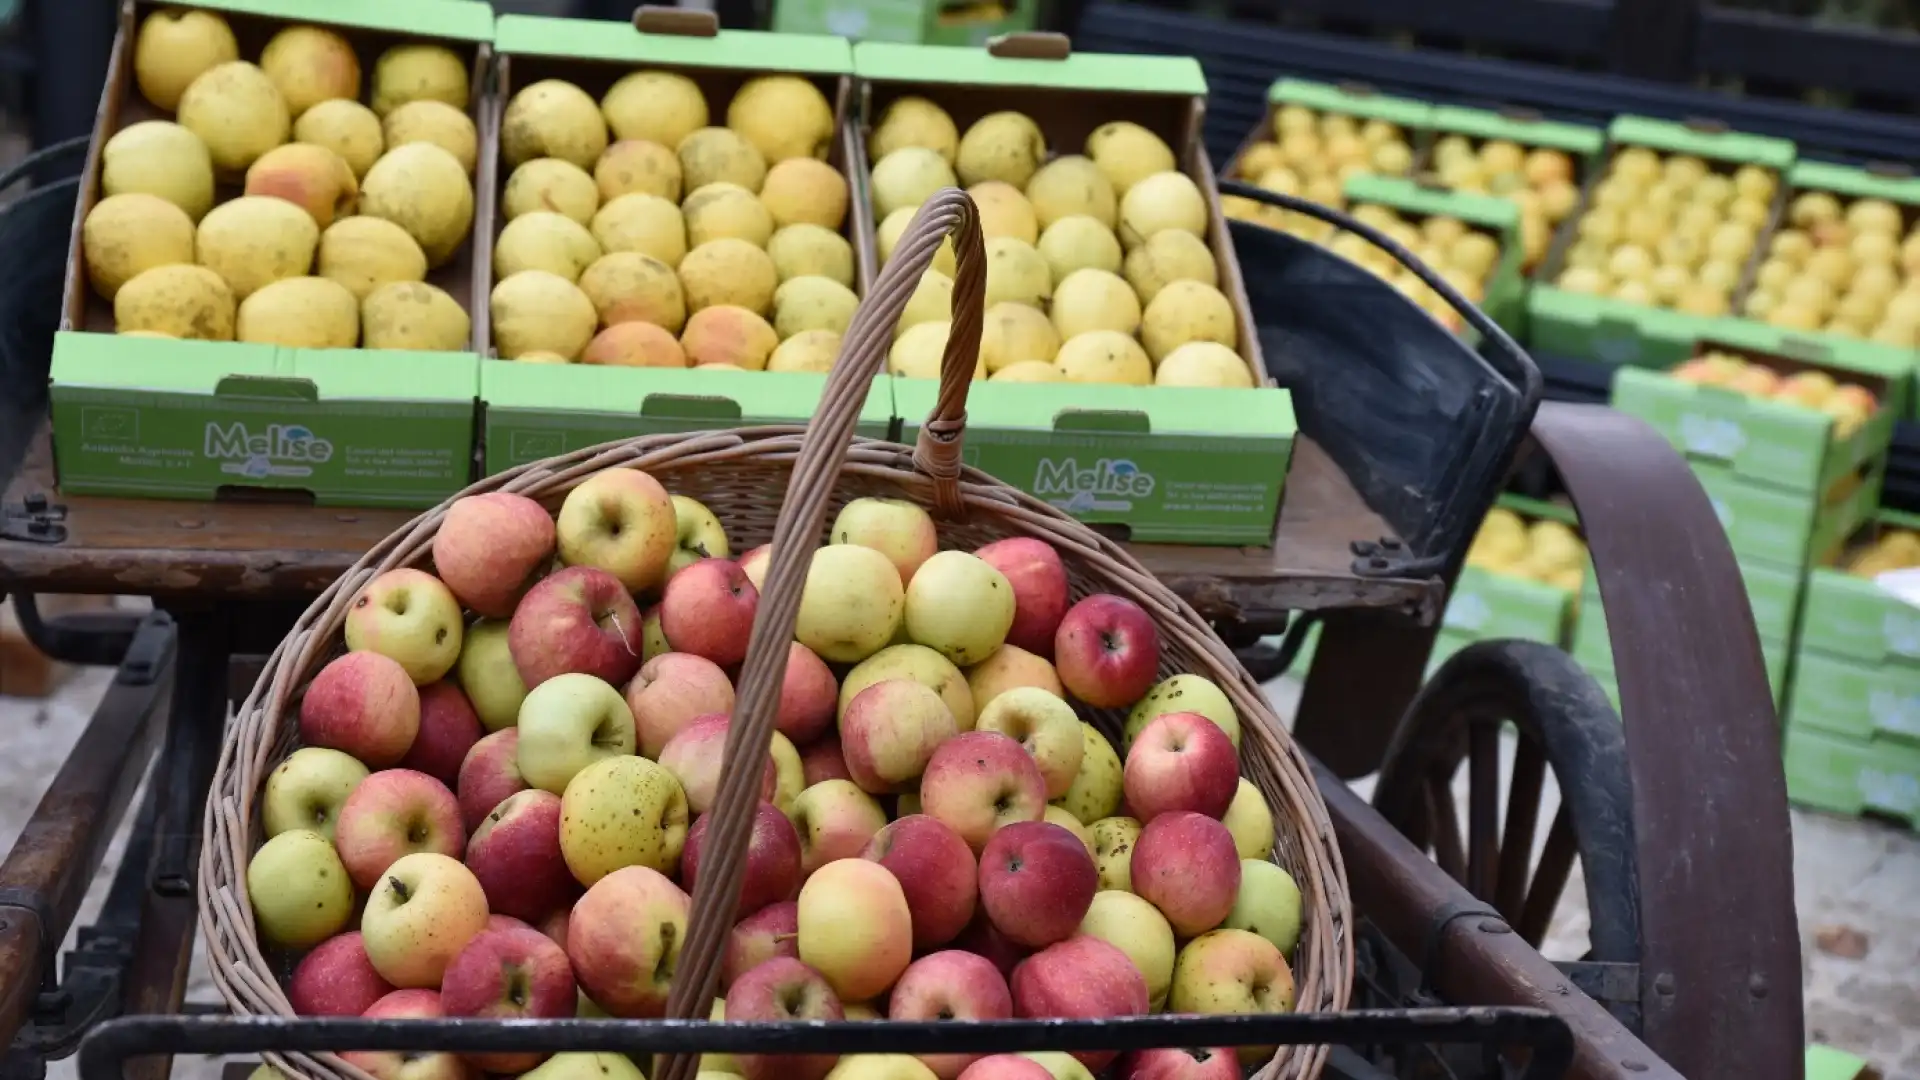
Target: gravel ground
1856	883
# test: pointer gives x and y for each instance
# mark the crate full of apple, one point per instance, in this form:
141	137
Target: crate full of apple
1523	576
1536	162
672	201
1314	139
1788	423
272	189
508	771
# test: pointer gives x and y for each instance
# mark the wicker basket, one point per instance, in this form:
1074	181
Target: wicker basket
779	484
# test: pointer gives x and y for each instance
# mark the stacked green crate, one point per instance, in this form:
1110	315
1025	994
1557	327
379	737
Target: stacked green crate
1853	717
1791	468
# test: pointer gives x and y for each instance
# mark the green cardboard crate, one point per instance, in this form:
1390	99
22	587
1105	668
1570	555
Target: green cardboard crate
1778	443
1170	464
1859	700
536	411
197	419
160	418
1617	331
1488	604
1775	525
1852	618
1522	126
1773	593
1351	99
1852	776
1506	297
914	22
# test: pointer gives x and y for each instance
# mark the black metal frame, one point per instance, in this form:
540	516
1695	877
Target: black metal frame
105	1052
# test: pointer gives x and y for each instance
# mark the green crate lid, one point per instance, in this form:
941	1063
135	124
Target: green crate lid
744	50
1400	193
1859	183
462	20
1679	138
886	61
1490	124
1352	99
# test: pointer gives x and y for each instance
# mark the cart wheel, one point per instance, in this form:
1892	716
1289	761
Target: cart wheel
1564	722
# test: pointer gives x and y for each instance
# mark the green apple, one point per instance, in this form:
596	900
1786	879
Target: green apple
425	909
1059	1063
1095	792
1113	839
959	606
1135	927
1184	693
485	671
1046	725
300	891
851	604
922	665
1250	821
306	790
569	722
718	1063
880	1067
585	1066
410	616
1232	972
789	772
1268	904
698	535
622	811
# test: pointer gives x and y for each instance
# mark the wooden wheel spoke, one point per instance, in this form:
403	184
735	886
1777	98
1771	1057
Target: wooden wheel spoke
1483	808
1445	824
1516	839
1549	880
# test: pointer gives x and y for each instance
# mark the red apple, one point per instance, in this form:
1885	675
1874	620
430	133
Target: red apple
1081	978
336	979
782	989
889	732
489	773
773	860
982	938
772	931
979	781
937	872
1039	583
448	729
696	754
669	692
1186	865
491	547
807	696
824	759
401	1065
515	974
707	610
363	704
1107	651
1181	761
578	619
516	855
1182	1063
394	813
1006	1067
950	985
1036	882
624	940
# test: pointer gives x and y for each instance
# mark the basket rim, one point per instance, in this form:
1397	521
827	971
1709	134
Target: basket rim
247	981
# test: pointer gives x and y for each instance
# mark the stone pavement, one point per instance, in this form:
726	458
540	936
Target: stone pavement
1858	887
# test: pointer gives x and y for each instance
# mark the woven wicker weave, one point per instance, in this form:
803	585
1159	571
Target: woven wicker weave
779	485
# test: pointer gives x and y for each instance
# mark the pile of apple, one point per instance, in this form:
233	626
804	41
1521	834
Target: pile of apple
1673	231
514	800
1463	255
677	243
1541	181
1850	405
343	210
1313	155
1098	269
1842	268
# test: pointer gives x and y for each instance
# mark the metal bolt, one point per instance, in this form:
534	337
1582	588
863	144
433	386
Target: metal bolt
1364	548
1663	984
1376	563
1494	926
1634	1066
36	527
1757	985
1390	543
35	503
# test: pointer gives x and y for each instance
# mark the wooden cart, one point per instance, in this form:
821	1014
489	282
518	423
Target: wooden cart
1677	816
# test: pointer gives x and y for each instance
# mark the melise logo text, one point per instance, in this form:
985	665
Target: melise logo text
276	450
1108	484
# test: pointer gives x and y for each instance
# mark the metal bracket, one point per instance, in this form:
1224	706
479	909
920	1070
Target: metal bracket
34	521
1387	557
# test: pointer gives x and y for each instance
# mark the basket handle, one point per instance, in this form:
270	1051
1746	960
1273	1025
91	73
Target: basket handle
823	449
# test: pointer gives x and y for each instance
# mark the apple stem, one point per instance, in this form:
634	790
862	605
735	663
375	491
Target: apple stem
400	889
